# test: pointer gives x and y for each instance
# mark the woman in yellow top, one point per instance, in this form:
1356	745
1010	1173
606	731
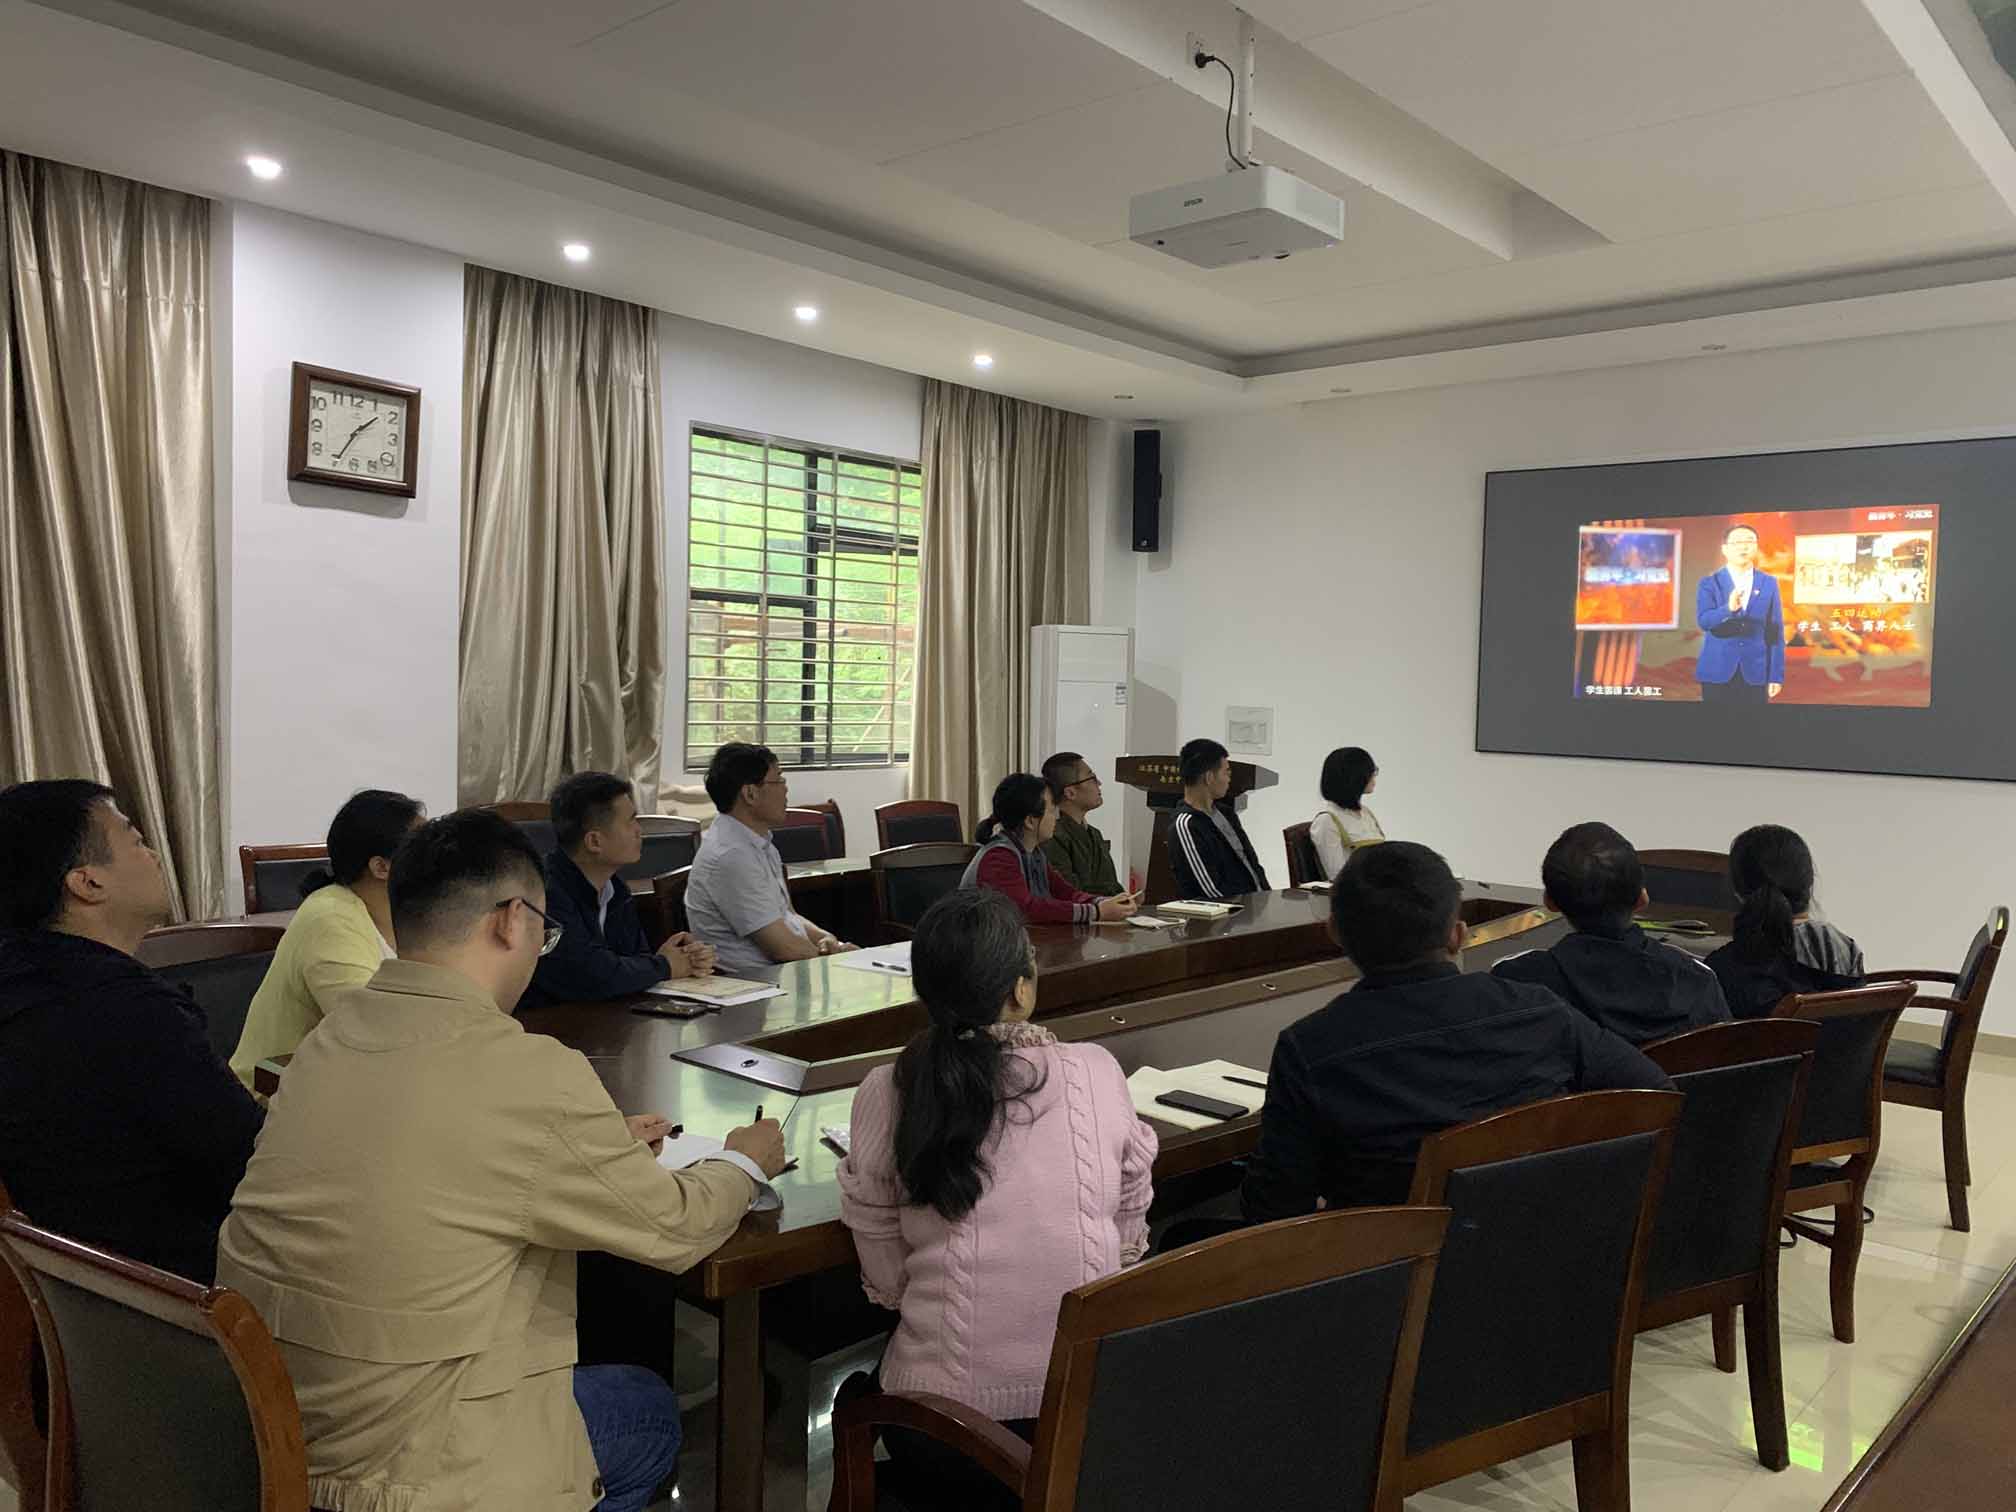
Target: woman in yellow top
340	935
1344	823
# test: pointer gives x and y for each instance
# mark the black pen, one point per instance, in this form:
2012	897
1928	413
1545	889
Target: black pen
759	1114
1247	1081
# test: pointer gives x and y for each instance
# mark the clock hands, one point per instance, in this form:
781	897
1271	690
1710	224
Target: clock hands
353	436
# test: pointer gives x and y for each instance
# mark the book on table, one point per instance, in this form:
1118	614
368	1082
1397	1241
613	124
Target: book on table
719	991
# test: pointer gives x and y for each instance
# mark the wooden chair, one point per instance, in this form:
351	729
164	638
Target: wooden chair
918	821
1843	1121
1537	1292
273	874
1935	1076
670	891
23	1448
222	966
162	1394
669	843
1715	1243
1690	879
910	878
1267	1368
805	835
518	810
1304	865
836	827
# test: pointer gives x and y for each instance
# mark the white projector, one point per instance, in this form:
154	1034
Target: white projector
1250	213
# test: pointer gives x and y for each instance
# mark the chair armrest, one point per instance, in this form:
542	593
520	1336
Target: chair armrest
1943	1004
1949	977
990	1446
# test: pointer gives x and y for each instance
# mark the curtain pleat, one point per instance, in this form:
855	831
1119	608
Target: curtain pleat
1006	547
563	540
108	662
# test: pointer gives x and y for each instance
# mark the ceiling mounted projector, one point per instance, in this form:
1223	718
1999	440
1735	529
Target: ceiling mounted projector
1252	213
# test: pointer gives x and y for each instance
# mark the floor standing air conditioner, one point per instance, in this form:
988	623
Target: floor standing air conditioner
1080	686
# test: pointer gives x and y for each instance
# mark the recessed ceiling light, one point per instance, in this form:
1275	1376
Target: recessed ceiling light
982	360
263	167
574	251
1716	346
1123	396
807	313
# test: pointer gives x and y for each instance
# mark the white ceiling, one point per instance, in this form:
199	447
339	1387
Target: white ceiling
947	175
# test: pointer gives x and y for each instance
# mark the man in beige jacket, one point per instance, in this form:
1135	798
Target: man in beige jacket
409	1222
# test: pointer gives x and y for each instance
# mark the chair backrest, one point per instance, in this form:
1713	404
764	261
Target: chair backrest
1537	1292
1844	1098
22	1446
1304	865
1268	1368
669	843
836	827
804	835
222	965
274	873
162	1394
1745	1085
1977	975
669	888
1689	879
540	833
918	821
910	878
517	810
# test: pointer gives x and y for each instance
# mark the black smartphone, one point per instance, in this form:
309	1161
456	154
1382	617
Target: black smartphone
1196	1102
673	1008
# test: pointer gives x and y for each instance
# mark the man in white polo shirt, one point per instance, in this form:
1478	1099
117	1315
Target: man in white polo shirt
736	899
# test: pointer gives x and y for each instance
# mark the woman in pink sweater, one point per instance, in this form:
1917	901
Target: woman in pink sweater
992	1170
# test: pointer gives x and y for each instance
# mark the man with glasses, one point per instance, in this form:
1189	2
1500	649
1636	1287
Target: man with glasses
603	951
1077	850
736	898
409	1223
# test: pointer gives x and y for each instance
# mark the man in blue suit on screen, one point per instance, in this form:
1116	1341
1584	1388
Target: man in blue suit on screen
1742	623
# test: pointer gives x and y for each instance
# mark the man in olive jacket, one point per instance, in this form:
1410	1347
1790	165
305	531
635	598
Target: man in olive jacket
409	1223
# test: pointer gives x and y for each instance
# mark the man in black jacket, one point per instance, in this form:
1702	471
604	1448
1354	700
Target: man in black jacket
1419	1046
1208	848
603	952
119	1126
1633	985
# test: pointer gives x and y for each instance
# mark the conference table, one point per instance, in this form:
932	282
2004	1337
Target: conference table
1200	990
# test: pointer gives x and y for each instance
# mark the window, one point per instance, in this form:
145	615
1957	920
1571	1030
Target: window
801	618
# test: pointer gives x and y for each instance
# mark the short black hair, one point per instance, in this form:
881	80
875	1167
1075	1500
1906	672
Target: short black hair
735	766
1392	905
450	870
1061	771
1346	773
1199	759
1594	876
1741	525
582	802
47	830
372	822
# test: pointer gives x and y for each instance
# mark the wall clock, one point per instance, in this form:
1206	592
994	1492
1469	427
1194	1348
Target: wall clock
353	432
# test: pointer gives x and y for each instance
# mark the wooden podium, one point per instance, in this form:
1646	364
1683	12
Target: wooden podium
1161	778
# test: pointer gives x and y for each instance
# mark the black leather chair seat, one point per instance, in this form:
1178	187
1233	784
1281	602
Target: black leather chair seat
1910	1061
1816	1173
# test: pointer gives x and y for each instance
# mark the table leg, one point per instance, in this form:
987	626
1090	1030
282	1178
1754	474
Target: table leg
738	1459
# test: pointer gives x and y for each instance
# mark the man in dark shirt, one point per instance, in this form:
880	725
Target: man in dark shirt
119	1126
1633	985
1417	1047
1209	854
603	951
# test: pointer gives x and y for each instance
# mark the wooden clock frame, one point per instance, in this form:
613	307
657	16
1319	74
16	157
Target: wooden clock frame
298	467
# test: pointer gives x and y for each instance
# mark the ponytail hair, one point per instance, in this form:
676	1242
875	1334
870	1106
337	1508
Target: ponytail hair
1772	871
1017	798
372	823
952	1081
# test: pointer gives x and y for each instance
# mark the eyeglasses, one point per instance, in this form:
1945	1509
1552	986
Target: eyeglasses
553	929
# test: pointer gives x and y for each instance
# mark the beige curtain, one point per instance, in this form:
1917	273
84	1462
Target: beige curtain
1005	548
108	661
563	539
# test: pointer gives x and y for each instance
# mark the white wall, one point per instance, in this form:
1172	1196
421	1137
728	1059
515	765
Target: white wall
1325	560
338	610
714	376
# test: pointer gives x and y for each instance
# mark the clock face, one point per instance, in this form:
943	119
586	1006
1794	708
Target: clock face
357	431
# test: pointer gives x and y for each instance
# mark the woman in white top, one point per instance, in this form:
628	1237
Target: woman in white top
1344	824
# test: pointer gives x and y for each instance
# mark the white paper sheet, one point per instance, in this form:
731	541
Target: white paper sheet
882	960
1207	1078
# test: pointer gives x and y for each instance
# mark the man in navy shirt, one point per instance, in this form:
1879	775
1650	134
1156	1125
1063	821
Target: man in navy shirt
603	952
1418	1046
